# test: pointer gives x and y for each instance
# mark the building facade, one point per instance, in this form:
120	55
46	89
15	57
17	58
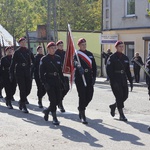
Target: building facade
129	20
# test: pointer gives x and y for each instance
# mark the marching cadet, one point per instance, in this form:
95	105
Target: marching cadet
88	69
21	65
118	71
147	66
9	86
52	77
60	52
40	87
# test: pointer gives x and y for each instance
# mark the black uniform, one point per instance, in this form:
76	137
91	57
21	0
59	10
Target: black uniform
61	53
85	93
147	65
137	68
1	83
10	86
52	77
22	66
40	87
118	71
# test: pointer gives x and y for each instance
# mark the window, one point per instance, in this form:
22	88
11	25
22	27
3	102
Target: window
107	24
129	50
130	7
107	3
107	13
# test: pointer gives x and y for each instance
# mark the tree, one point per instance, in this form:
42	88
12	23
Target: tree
17	16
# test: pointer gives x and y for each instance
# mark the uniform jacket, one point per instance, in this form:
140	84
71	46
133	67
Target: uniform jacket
116	64
22	62
89	73
50	65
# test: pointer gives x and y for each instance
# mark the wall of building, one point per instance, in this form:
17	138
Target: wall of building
135	36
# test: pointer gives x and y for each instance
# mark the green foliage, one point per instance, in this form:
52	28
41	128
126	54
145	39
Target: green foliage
17	16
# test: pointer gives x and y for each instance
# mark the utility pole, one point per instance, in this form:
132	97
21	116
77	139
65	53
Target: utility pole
55	21
48	21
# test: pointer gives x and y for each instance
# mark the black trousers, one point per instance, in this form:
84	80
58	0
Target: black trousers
120	92
24	84
40	87
10	88
137	74
55	96
66	84
85	94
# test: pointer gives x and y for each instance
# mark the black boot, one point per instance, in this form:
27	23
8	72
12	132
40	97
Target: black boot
82	117
61	107
112	109
55	120
46	114
9	104
148	128
6	101
40	103
22	106
13	99
27	102
122	116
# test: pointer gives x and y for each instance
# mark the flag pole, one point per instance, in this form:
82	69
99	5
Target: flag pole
83	77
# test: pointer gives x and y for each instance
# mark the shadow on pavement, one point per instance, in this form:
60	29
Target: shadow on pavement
76	136
139	126
108	130
30	118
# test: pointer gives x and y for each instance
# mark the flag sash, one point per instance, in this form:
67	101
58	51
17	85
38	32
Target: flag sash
85	58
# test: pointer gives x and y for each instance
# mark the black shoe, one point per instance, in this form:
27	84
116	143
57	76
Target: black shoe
40	104
55	120
112	109
27	102
148	128
10	105
83	117
12	99
46	114
1	96
61	108
123	118
24	108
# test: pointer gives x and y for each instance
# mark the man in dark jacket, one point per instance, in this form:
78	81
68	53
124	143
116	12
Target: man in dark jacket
88	69
118	71
106	56
40	87
52	77
21	66
9	86
136	67
60	52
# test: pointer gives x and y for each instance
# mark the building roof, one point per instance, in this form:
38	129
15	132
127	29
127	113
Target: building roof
6	36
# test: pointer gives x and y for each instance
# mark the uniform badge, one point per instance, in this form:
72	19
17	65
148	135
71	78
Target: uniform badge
90	56
126	61
58	62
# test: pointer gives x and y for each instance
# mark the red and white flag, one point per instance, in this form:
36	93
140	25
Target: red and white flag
68	66
85	58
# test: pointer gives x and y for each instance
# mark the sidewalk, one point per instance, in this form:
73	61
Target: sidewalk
102	80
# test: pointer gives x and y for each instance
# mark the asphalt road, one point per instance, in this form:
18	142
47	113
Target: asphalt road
19	131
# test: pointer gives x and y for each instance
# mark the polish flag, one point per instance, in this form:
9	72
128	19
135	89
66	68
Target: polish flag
68	66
